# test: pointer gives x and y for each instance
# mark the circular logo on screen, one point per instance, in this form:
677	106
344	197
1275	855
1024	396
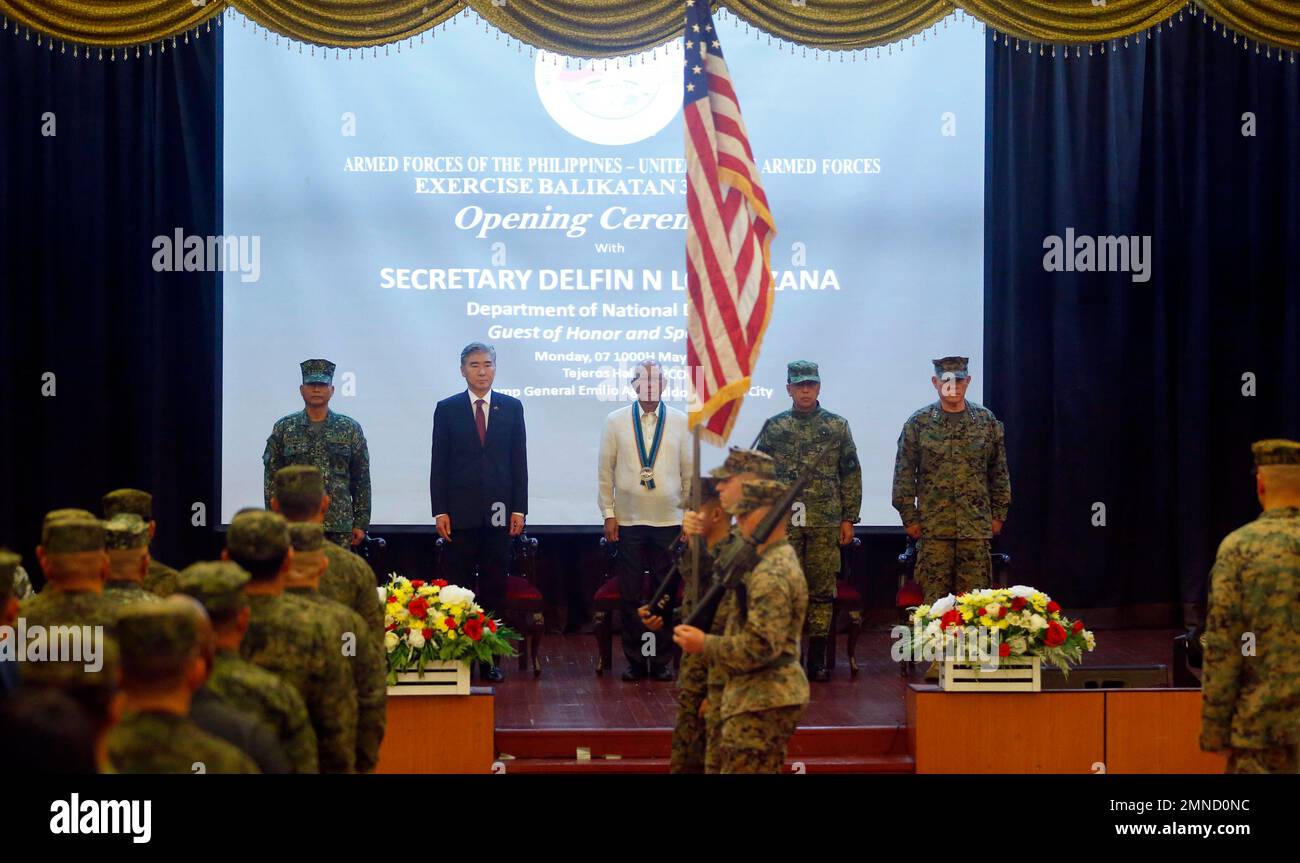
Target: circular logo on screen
607	103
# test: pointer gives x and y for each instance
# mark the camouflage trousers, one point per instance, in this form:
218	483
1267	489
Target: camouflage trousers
1272	759
954	566
688	731
713	729
756	742
819	556
340	539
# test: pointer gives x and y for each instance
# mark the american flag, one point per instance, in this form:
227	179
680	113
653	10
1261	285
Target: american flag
728	270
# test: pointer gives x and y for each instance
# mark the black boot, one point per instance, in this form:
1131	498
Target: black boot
817	666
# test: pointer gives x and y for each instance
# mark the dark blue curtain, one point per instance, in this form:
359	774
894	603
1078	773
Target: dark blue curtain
1130	394
133	353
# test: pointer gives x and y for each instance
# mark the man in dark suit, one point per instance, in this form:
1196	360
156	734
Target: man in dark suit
478	481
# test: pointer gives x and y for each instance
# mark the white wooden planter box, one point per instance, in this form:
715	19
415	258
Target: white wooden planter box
437	678
1009	676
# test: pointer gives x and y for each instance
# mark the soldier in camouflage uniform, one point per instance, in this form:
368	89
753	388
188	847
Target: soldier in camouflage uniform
287	636
332	442
951	485
1251	688
824	516
8	614
161	670
235	681
368	661
75	565
126	539
741	466
689	736
161	578
766	689
300	497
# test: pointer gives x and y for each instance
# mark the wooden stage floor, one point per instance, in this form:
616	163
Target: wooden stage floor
569	694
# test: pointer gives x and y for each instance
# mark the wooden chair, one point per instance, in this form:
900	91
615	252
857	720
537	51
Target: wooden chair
525	608
850	599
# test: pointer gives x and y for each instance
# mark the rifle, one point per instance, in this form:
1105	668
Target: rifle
741	557
661	601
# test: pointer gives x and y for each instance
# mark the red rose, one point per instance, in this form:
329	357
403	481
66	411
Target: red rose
1055	634
440	582
474	629
1053	607
950	618
1018	603
491	624
450	623
419	607
1077	627
392	598
390	627
1002	612
1004	649
427	633
417	584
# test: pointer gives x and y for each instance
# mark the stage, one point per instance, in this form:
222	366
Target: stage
853	724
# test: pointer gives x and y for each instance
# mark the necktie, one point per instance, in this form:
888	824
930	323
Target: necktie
481	421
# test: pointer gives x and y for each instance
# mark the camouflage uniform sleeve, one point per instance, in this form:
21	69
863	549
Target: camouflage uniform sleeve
999	479
299	738
850	479
370	673
759	643
1221	668
764	442
334	709
359	471
907	463
272	460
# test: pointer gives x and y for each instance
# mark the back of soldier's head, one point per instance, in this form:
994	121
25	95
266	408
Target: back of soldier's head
219	586
73	548
258	541
45	730
1277	461
126	539
93	685
299	490
9	563
159	642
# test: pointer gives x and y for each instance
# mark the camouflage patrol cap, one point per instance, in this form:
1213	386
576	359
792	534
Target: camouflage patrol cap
125	531
157	639
801	371
307	536
758	493
956	365
258	535
1276	451
219	585
745	461
317	372
73	535
8	565
60	514
130	500
299	486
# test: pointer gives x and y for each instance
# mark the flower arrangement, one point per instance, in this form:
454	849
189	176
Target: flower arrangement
432	621
1022	622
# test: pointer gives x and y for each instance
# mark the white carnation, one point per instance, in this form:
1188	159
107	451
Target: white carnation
455	595
943	606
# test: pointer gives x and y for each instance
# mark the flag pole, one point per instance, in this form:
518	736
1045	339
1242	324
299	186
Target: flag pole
697	492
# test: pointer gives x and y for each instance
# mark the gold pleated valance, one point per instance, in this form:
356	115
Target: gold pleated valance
606	28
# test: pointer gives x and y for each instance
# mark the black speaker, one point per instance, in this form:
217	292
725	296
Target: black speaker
1107	677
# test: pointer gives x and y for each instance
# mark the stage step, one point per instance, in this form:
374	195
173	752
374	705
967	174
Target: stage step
857	749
